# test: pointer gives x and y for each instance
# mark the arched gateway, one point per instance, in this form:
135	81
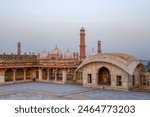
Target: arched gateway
104	77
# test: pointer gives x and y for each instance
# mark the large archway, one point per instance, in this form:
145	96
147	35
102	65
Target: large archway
104	77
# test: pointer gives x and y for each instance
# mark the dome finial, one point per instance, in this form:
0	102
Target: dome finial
82	29
56	46
92	52
56	51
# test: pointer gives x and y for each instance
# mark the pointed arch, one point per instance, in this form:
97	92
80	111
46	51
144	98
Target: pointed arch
104	77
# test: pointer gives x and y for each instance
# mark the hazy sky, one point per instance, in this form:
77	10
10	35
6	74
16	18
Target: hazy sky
123	26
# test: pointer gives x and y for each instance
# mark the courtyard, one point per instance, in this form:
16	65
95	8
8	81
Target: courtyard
49	91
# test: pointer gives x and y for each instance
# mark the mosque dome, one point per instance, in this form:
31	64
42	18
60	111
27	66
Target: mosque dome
44	54
56	51
67	54
92	52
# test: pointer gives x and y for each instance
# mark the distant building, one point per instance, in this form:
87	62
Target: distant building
148	65
98	70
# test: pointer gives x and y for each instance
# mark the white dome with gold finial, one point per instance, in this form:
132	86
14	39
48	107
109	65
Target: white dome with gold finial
56	51
44	54
67	54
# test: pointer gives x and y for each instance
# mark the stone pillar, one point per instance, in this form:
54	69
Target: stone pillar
94	79
113	80
47	73
55	74
124	81
74	76
14	75
84	77
40	73
142	80
64	75
2	75
129	81
146	80
81	76
25	70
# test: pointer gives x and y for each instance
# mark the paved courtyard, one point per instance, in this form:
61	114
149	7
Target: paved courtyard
47	91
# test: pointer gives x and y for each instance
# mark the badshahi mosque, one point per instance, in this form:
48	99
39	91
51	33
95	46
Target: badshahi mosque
98	70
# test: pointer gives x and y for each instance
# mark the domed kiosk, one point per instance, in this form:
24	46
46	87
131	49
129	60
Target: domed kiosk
114	71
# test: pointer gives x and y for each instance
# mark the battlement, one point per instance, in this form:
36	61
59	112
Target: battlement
17	58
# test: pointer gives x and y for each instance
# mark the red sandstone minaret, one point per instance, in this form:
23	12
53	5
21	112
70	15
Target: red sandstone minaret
99	50
82	44
19	48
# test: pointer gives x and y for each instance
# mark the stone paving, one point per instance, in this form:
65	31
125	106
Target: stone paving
47	91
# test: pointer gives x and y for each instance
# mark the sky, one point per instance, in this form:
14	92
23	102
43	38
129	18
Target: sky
123	26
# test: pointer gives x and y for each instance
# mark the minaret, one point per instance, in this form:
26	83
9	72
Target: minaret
82	44
99	50
19	48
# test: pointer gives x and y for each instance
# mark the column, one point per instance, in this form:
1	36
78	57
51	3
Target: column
25	73
64	75
114	80
142	80
47	73
74	76
81	77
2	76
40	73
84	80
55	74
146	80
14	75
94	78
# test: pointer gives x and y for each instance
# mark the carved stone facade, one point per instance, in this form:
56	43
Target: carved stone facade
15	68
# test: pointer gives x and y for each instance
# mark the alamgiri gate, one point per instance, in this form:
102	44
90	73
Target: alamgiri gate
98	70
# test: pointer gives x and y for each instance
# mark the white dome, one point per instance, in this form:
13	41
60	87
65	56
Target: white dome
92	52
56	51
67	54
44	54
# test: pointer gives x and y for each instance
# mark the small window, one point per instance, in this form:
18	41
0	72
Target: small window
89	78
119	82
